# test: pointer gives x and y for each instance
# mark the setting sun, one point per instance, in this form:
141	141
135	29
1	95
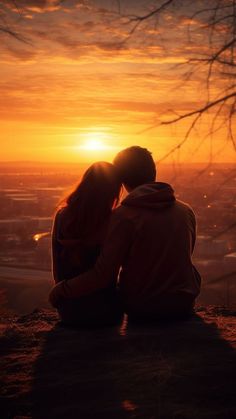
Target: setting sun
96	145
93	145
83	93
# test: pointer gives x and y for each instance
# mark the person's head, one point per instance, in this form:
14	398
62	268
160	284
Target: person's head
135	166
92	201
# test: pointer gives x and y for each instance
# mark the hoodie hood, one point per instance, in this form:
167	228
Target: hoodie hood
155	195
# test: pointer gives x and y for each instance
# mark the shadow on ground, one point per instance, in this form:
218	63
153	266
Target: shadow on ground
183	370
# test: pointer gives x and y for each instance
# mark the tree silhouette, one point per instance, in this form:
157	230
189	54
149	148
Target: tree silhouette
216	20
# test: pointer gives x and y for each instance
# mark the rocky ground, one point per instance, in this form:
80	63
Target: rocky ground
183	370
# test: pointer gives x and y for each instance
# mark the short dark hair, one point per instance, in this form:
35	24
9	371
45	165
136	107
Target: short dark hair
135	166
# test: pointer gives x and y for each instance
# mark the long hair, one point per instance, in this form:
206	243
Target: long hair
89	206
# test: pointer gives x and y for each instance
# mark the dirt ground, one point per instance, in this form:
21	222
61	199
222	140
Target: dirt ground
180	370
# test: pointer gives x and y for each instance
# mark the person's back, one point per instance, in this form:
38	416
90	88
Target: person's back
162	236
79	229
72	256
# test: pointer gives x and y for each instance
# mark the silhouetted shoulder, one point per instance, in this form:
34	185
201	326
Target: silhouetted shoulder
186	212
60	214
184	206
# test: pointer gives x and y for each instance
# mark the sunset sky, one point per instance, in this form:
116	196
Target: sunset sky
77	88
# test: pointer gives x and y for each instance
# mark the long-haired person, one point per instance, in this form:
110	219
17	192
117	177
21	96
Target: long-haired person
79	229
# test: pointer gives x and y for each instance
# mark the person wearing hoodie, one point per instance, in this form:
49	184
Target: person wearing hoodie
148	247
79	229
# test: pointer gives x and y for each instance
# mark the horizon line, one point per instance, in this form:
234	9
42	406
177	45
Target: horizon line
89	162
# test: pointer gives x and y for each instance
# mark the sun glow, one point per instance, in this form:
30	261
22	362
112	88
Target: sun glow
97	144
93	145
95	141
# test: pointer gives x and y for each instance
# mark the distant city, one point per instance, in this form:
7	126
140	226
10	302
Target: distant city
30	195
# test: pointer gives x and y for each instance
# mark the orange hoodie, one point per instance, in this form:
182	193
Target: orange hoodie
148	250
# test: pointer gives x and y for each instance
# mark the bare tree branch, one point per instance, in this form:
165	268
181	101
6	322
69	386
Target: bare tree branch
219	60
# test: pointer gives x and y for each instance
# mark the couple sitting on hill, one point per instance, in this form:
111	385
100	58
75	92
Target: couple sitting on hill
133	258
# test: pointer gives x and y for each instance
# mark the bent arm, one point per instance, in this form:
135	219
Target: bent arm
106	270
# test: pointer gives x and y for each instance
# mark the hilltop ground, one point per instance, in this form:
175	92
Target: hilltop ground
185	370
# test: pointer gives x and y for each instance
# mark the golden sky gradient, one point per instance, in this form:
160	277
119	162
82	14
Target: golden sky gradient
77	89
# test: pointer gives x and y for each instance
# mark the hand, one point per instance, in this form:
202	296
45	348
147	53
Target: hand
56	294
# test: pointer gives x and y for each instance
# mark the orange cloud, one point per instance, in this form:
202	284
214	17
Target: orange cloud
80	68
